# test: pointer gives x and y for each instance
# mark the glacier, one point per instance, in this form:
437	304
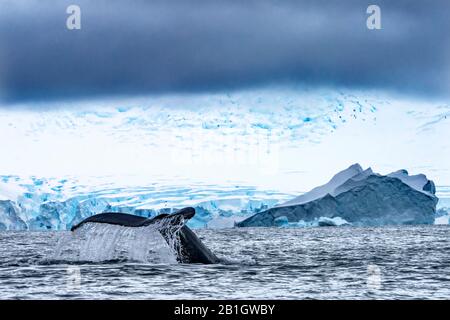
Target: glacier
358	197
58	204
229	154
277	138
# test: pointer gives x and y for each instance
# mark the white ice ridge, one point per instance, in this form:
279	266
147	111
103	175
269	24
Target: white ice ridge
328	188
417	182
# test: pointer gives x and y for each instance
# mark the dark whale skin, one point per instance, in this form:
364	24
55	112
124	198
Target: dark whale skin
192	249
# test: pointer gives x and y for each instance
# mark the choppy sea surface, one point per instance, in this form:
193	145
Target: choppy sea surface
259	263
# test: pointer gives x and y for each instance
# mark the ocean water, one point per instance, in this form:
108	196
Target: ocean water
258	263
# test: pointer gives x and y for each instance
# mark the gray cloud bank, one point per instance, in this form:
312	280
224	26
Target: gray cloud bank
138	47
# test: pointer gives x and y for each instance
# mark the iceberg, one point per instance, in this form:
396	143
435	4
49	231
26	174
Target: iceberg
361	198
332	222
59	203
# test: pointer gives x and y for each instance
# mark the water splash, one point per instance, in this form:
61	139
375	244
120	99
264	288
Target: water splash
95	242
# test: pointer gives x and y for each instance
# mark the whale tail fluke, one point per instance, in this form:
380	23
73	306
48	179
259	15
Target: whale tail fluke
191	248
129	220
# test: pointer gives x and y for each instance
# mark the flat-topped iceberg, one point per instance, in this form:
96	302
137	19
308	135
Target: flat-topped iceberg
361	198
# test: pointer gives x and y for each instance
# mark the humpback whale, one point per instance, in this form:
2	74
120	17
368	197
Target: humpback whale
191	250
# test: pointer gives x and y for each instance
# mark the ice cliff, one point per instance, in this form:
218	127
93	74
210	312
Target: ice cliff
58	204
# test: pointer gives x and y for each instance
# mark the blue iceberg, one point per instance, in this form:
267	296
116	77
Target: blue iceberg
361	198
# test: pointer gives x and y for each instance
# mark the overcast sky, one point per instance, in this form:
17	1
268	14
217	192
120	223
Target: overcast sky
141	47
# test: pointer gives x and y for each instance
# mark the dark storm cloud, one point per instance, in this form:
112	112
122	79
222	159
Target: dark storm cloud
133	47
